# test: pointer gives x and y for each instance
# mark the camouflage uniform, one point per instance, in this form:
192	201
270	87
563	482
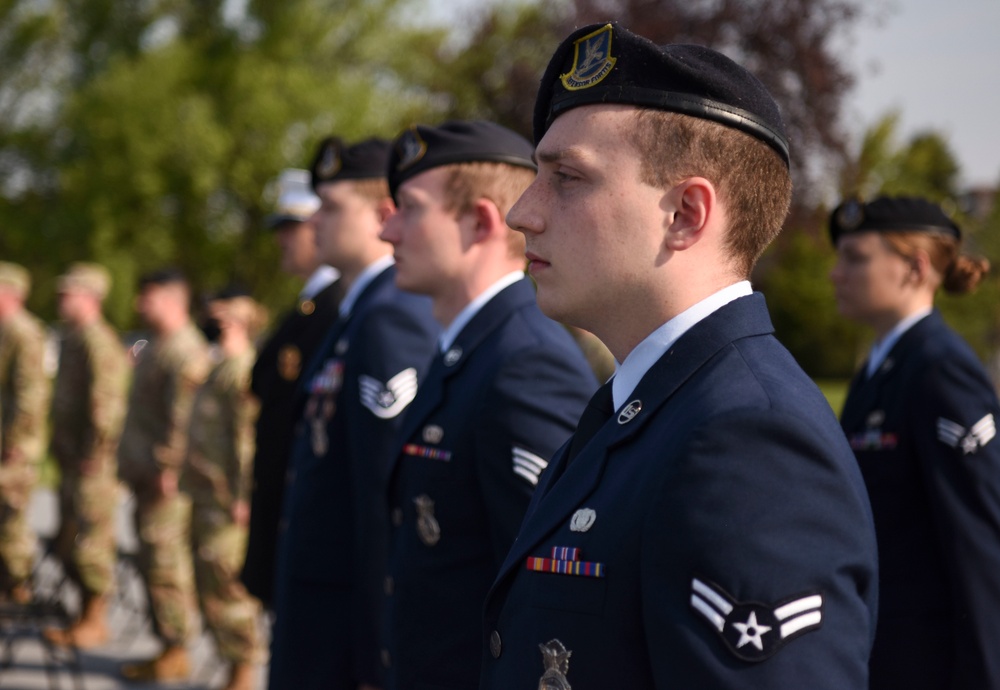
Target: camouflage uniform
168	371
24	392
87	412
216	476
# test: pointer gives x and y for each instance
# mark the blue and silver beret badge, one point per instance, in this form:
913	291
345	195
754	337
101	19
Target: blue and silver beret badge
850	215
329	163
592	60
411	148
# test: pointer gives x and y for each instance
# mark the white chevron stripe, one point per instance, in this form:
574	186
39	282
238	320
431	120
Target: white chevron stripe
798	623
792	608
387	401
708	612
699	587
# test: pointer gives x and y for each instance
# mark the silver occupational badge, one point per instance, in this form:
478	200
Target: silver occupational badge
630	412
555	658
433	433
582	520
341	347
428	528
452	356
875	418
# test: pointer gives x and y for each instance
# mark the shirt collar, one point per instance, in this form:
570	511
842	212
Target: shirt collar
645	355
447	338
881	349
320	278
361	282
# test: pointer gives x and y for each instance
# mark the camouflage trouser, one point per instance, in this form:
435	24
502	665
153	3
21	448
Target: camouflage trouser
86	539
230	612
17	539
162	526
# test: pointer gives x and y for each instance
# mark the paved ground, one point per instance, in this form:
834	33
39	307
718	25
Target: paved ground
28	665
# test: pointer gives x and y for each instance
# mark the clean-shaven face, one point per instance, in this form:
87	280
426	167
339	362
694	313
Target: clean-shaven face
592	226
426	236
868	279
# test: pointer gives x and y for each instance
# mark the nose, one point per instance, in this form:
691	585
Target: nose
390	230
523	215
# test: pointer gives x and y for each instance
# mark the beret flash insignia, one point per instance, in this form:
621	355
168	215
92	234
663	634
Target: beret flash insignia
329	163
592	60
411	148
850	216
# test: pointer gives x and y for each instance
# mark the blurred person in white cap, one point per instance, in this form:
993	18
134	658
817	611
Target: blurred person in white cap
279	365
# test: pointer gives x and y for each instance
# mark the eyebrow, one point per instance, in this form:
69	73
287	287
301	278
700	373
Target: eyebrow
558	155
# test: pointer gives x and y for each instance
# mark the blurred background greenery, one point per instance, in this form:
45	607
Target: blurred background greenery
140	133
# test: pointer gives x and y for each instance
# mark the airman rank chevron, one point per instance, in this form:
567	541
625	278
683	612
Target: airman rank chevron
566	561
967	440
413	450
754	631
387	400
528	465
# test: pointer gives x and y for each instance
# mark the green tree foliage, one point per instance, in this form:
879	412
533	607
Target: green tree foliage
142	134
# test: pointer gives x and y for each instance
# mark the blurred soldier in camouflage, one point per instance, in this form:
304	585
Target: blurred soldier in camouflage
168	371
217	477
88	407
24	399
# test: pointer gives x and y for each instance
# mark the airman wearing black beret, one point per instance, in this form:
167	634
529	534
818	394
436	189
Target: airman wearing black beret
706	526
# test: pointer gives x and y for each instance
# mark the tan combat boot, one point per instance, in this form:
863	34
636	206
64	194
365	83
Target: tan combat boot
242	677
88	632
172	664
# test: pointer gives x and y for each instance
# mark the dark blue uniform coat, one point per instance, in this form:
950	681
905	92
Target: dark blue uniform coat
334	539
493	410
923	429
275	382
717	530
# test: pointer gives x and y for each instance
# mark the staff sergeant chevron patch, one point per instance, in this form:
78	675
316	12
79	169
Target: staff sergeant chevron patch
967	440
385	401
754	631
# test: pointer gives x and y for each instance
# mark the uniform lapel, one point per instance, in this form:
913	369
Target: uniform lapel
741	318
863	394
448	364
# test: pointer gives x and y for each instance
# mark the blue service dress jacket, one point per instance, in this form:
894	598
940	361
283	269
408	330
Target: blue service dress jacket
333	541
923	429
713	533
494	408
275	382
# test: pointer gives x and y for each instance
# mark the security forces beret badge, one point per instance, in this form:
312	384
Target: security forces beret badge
592	60
411	148
850	216
752	631
329	163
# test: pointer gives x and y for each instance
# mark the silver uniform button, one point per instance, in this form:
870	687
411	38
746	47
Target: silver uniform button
389	585
397	517
496	644
385	658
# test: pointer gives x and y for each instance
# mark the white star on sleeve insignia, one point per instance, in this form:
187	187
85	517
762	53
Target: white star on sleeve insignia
387	400
751	631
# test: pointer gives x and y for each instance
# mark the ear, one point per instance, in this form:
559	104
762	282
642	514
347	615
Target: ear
693	203
921	271
489	222
384	209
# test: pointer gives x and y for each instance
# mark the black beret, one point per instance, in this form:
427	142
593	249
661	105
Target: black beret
891	214
163	276
605	63
336	161
422	147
